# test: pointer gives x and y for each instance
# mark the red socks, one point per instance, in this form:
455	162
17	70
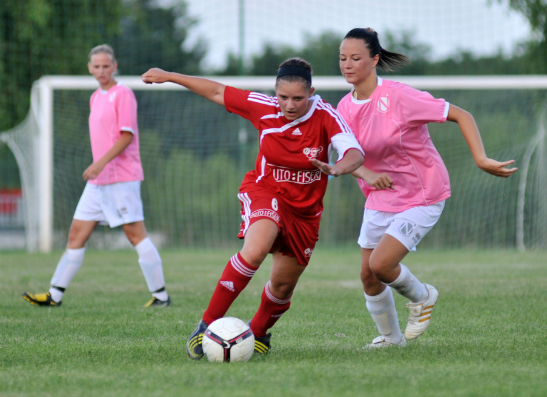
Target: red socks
234	279
270	310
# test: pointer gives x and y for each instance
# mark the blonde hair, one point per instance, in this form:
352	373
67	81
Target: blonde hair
102	49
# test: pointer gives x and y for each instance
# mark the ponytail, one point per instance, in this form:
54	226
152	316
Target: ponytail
389	61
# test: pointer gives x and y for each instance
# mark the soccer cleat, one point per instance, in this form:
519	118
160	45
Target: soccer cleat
194	348
420	314
262	344
158	303
380	341
40	299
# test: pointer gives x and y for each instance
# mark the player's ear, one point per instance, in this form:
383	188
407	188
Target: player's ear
312	90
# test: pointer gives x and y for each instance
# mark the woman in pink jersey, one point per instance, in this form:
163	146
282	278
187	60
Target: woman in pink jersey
281	199
112	193
403	177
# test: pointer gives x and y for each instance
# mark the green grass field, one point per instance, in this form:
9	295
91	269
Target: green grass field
488	336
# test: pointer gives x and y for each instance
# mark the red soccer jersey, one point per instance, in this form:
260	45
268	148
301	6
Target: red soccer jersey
286	147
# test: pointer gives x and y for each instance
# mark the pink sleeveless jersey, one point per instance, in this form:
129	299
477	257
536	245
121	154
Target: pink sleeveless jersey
391	128
112	112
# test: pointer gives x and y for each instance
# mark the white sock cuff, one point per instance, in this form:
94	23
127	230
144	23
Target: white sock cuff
76	254
402	276
273	298
379	297
145	246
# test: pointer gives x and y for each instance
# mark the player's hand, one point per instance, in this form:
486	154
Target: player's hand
92	171
329	169
497	168
155	75
379	181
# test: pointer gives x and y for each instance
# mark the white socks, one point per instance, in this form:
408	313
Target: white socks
150	262
382	309
68	266
409	286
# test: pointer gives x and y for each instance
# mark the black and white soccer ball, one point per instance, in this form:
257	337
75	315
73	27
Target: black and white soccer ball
228	339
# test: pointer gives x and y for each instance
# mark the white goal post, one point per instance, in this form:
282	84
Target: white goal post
38	191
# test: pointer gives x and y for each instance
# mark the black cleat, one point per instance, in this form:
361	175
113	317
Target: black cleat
40	299
158	303
262	344
194	348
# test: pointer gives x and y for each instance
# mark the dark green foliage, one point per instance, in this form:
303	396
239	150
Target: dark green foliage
39	37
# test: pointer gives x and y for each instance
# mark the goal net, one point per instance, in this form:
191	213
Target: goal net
195	154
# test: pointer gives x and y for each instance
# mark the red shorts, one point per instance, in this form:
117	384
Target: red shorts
297	233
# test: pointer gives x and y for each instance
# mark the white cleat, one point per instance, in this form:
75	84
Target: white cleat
380	341
420	314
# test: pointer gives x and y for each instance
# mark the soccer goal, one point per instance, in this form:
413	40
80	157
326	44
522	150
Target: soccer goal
195	153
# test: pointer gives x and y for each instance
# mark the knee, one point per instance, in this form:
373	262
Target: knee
75	239
254	256
379	267
281	289
367	277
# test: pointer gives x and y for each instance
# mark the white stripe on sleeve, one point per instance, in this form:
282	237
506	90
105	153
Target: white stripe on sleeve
446	109
343	142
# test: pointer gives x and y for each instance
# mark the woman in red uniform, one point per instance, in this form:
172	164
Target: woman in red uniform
282	198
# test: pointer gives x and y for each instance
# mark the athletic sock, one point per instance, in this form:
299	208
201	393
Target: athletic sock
150	262
270	310
409	286
68	266
234	279
161	294
56	293
383	312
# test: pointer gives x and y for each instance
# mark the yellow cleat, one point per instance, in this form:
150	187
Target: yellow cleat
40	299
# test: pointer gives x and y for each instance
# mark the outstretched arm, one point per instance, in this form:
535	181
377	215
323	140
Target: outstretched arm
208	89
351	161
472	136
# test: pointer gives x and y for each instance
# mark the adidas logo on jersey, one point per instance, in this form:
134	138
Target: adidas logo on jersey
228	284
297	132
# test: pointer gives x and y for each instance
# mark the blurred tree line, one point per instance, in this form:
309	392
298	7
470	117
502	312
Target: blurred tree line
40	37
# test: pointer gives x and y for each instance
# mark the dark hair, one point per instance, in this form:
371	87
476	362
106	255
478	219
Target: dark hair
295	78
388	60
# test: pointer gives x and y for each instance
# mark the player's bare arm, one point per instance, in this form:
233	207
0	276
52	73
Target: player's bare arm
472	136
352	160
95	169
208	89
378	181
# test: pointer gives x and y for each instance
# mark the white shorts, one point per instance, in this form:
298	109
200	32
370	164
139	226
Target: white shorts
114	205
409	227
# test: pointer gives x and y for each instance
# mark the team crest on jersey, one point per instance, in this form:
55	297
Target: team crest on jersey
312	152
383	104
297	132
308	252
112	97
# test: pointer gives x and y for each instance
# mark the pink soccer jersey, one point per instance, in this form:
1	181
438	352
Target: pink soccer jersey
112	112
286	147
391	128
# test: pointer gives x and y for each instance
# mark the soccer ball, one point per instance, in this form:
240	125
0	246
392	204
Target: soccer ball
228	339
